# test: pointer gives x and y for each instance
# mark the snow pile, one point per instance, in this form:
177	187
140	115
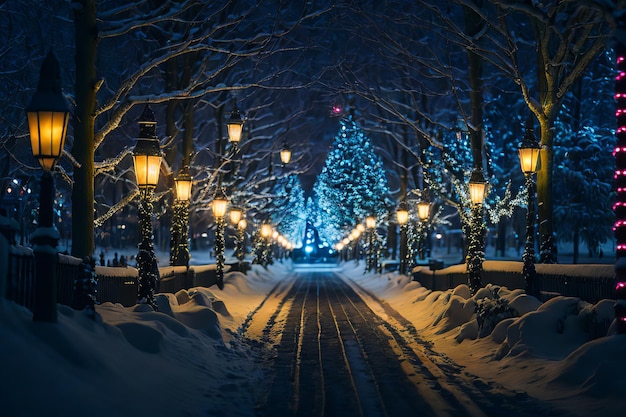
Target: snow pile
557	351
180	361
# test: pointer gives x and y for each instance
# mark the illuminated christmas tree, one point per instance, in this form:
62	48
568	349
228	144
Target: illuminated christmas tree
352	184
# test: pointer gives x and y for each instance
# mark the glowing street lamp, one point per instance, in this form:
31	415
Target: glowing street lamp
477	186
285	154
402	214
476	247
147	162
48	114
235	215
179	231
529	152
220	204
423	212
235	127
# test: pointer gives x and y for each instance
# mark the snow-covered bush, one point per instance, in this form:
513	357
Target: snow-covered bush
490	311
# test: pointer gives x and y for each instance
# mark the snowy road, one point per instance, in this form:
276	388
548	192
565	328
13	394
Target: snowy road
334	356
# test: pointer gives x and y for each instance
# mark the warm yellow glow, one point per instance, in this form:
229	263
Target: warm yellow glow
243	223
477	192
402	215
423	210
235	215
183	187
529	159
285	156
370	222
354	235
339	246
266	230
47	135
360	228
234	132
147	169
220	204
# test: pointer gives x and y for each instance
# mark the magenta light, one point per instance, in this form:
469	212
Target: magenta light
620	285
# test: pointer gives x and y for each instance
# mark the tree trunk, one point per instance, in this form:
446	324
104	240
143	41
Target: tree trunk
544	195
84	144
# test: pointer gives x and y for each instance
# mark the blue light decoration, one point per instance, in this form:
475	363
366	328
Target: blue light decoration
619	208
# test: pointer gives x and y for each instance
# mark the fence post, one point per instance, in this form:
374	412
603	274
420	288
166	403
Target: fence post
8	228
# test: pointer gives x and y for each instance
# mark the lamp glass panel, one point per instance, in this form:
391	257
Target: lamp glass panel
234	132
219	207
477	192
529	159
183	189
147	169
423	210
403	216
47	135
285	156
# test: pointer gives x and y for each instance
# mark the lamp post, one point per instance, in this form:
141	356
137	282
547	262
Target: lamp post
220	204
402	215
423	212
48	114
370	257
147	162
240	251
179	244
529	162
476	247
266	236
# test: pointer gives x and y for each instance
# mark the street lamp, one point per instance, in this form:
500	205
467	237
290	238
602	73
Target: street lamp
48	114
240	251
402	214
235	215
220	204
235	127
264	247
423	212
285	154
371	258
529	162
179	232
147	162
476	247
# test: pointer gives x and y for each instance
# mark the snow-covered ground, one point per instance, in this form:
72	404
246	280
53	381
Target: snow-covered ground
188	359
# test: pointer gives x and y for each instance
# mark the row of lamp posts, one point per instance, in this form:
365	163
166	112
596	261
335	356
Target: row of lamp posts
529	153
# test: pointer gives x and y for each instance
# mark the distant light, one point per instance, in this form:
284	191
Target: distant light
308	249
204	235
439	236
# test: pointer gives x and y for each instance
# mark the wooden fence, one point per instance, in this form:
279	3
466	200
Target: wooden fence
114	284
589	282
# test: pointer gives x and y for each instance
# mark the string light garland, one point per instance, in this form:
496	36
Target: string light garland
619	208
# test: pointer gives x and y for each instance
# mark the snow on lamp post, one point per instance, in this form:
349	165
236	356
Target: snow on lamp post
220	204
147	163
179	231
529	163
476	247
402	215
48	114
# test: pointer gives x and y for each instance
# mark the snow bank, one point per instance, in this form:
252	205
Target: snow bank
560	350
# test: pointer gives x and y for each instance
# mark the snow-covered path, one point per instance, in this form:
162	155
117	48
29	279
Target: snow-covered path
335	356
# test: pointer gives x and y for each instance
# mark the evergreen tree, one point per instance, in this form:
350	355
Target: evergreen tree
292	218
352	184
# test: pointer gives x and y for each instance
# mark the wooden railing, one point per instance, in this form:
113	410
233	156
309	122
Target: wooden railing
589	282
114	284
